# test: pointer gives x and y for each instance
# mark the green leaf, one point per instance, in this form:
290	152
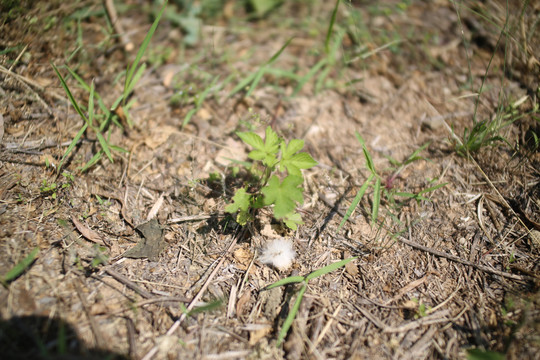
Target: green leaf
294	146
293	220
286	281
252	139
243	217
283	195
241	201
292	161
292	314
20	267
328	268
297	162
266	150
271	141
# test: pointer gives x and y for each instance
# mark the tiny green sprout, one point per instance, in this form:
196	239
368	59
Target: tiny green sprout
272	156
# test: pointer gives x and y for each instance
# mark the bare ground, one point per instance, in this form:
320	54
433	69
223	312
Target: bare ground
432	279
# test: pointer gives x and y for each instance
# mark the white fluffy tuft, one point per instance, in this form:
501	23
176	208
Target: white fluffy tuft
278	253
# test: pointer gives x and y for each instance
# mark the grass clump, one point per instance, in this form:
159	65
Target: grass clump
99	121
387	191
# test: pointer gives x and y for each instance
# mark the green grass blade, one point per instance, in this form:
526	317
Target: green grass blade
328	268
405	195
69	94
256	80
76	76
91	105
242	85
20	267
188	116
208	307
104	145
308	76
278	53
129	83
118	149
414	156
356	201
433	188
369	160
376	200
286	281
92	161
330	28
72	145
138	74
292	314
322	77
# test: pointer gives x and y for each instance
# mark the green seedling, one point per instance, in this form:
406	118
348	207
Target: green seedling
376	181
304	280
99	121
273	156
19	268
51	189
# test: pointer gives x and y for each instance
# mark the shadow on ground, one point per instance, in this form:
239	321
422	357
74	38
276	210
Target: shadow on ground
38	337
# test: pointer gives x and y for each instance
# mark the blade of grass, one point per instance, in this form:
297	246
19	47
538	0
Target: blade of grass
292	314
72	145
278	53
369	160
20	267
69	94
104	145
433	188
286	281
330	28
376	200
328	268
308	76
356	201
91	105
130	83
414	156
92	161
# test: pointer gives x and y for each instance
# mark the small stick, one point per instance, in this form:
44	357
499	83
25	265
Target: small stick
130	284
464	262
118	28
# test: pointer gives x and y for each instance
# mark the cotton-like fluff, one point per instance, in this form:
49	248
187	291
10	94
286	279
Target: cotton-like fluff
278	253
